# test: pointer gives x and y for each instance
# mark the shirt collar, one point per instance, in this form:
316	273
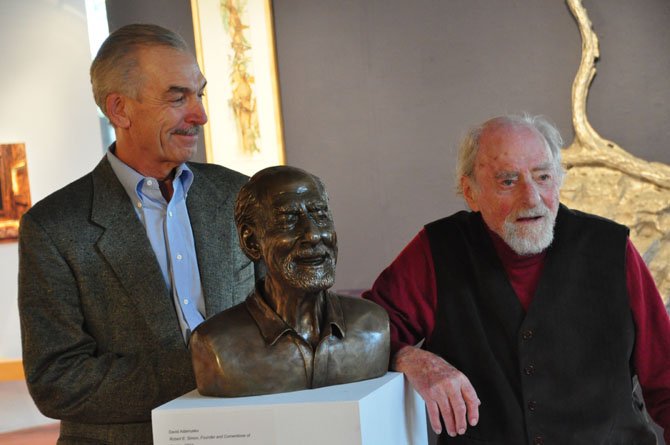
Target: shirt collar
272	327
132	180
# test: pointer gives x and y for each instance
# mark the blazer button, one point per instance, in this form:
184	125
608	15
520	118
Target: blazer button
532	405
529	370
527	334
538	440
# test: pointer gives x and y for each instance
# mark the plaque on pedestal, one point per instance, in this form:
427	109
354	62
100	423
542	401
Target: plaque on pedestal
385	411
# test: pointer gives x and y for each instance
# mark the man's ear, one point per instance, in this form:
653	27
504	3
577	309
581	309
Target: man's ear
117	110
249	242
469	193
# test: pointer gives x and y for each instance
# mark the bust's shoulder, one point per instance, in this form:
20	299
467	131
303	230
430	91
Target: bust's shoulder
355	302
235	319
360	309
367	333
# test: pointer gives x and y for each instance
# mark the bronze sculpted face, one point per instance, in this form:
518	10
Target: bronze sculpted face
293	230
298	239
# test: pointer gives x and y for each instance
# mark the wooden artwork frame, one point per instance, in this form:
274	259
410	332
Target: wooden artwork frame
235	49
14	189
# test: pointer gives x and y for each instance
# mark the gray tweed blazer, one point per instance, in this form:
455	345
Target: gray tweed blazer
101	341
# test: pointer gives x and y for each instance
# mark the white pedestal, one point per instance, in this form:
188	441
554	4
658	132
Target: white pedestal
382	411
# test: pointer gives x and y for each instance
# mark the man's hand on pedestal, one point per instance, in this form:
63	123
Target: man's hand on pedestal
445	389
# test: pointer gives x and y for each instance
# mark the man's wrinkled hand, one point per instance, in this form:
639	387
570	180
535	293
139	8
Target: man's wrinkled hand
445	389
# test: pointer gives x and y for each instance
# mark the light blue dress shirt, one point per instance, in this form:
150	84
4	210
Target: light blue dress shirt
169	230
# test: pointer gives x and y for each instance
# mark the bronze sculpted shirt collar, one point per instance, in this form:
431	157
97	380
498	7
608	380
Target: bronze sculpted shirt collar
272	327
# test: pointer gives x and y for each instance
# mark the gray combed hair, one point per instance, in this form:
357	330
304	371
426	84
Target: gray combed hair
114	69
470	144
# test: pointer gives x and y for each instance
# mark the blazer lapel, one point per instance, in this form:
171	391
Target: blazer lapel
126	248
212	227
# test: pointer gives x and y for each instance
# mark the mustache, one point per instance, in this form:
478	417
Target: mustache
535	212
192	131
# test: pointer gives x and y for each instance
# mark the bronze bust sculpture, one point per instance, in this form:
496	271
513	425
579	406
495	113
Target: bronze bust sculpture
290	333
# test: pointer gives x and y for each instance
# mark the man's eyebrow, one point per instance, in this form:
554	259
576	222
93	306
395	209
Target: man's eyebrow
545	166
177	89
507	175
183	90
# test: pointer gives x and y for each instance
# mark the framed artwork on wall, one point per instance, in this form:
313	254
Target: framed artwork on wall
14	189
236	52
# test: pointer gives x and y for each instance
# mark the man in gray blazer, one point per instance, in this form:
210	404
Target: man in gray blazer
117	268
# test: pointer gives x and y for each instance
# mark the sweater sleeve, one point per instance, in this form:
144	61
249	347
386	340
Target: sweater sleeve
652	339
406	289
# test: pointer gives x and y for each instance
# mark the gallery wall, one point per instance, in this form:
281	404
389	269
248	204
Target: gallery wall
48	105
376	95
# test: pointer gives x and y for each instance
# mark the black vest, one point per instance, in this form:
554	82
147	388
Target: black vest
560	374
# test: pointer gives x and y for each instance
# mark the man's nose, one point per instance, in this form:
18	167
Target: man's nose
197	114
529	193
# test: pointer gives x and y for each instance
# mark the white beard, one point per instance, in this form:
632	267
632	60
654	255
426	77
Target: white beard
530	238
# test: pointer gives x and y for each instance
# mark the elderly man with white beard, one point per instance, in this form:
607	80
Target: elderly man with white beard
290	333
534	319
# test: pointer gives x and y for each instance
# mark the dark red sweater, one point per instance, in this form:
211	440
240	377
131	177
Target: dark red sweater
407	290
